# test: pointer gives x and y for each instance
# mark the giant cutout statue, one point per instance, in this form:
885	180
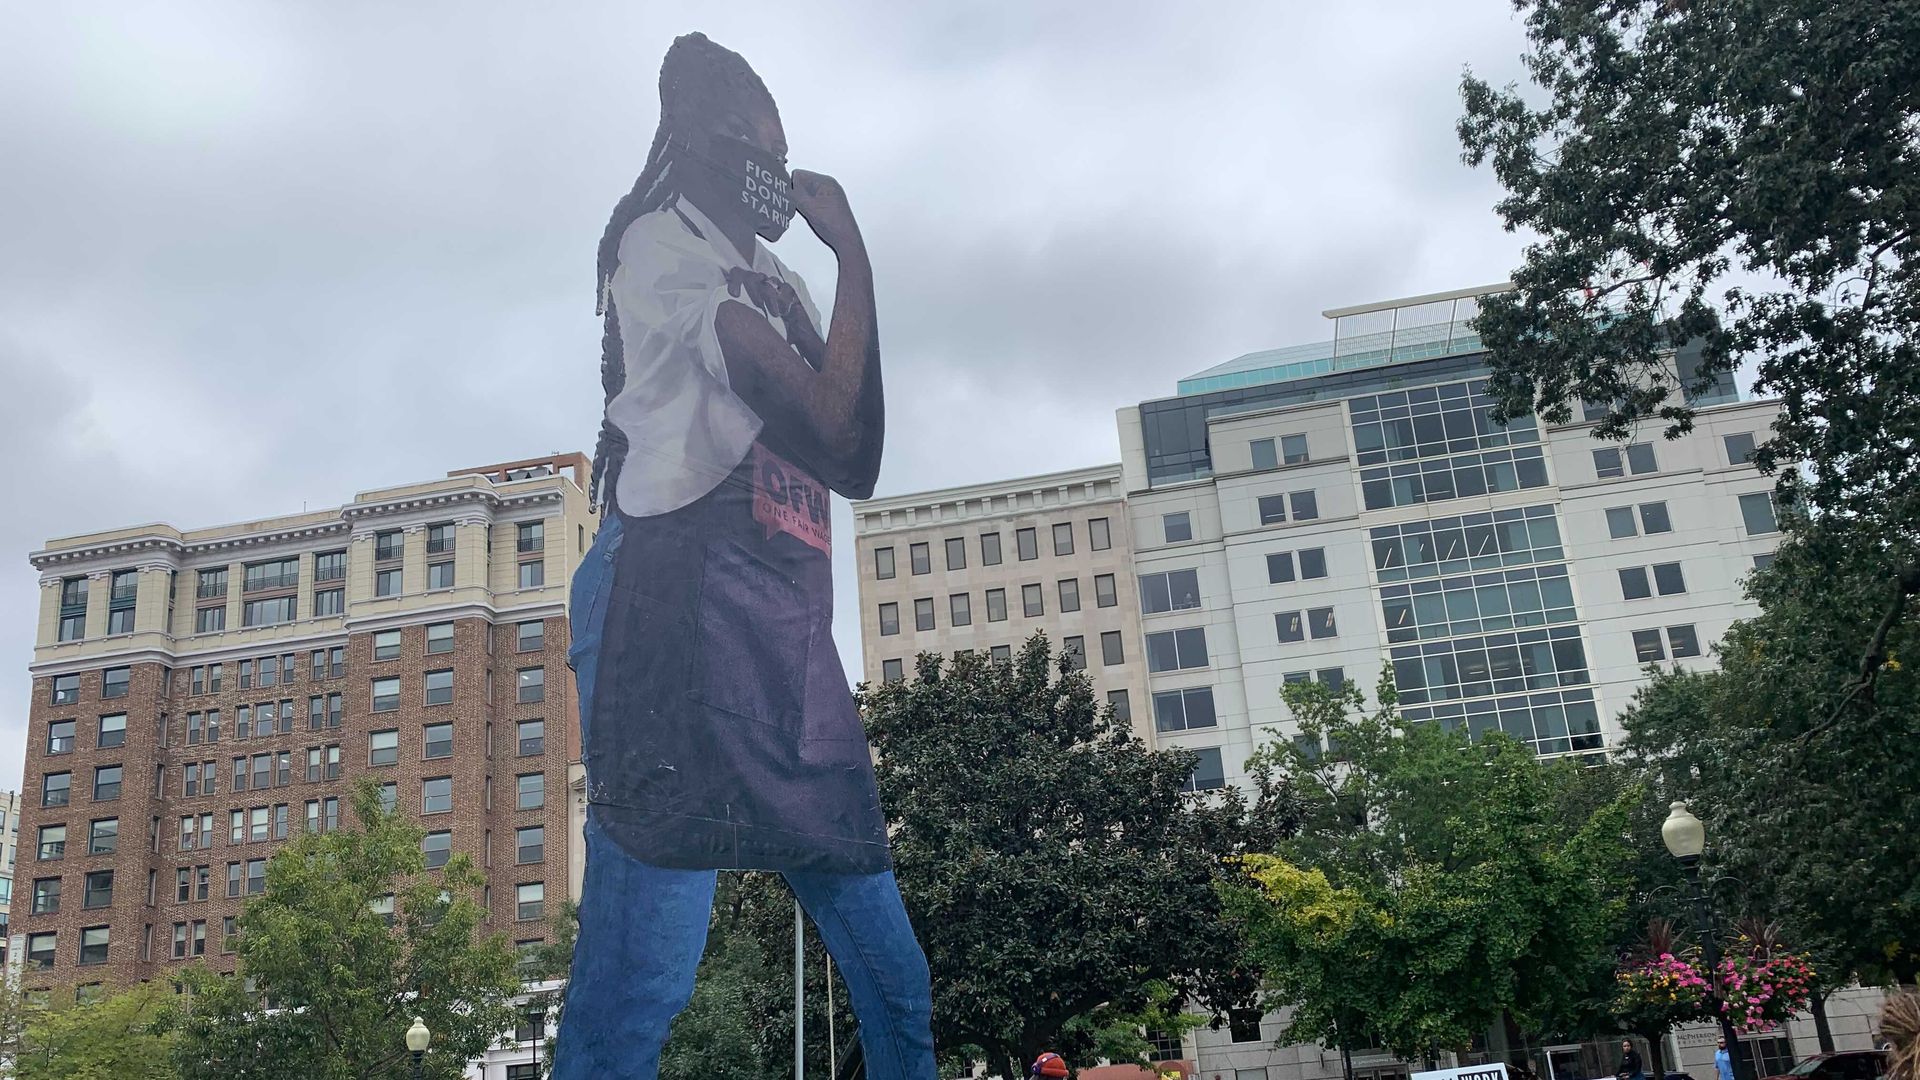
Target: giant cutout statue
719	732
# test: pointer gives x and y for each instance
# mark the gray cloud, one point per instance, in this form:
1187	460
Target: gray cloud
263	256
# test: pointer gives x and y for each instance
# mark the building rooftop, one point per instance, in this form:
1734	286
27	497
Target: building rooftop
1364	336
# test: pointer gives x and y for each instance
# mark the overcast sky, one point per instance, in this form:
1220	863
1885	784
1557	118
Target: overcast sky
255	257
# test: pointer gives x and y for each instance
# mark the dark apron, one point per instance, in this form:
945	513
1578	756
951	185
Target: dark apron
723	735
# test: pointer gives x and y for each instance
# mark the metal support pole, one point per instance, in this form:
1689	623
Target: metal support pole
799	992
833	1049
1710	949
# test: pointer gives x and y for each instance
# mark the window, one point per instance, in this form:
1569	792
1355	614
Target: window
56	789
883	563
960	609
920	558
923	613
1184	710
1026	544
1306	506
386	695
386	644
60	737
277	574
1756	510
387	545
1653	518
438	741
40	951
211	584
112	731
1177	650
388	582
46	896
256	876
531	536
530	636
530	901
1633	583
1099	534
438	848
1293	449
1475	603
98	890
1075	649
73	609
1121	706
1740	448
53	842
1418	482
1647	648
383	747
1063	538
1667	579
330	566
1069	594
996	605
1529	660
267	612
889	619
103	836
1112	652
66	689
1173	590
531	738
1264	455
1104	593
389	798
1001	652
892	671
1273	509
436	795
440	687
1209	772
120	621
990	549
93	945
531	686
1033	601
1638	460
1176	527
533	573
439	638
439	538
113	682
1682	641
1620	522
530	845
209	620
1289	626
1243	1025
530	791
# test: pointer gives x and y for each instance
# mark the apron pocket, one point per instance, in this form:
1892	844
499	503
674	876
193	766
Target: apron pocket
754	633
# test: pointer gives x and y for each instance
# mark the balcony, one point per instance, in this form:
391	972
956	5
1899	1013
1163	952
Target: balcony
208	590
283	579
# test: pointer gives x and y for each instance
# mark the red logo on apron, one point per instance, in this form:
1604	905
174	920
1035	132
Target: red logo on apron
787	499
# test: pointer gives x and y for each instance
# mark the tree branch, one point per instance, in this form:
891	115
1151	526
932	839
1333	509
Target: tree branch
1906	585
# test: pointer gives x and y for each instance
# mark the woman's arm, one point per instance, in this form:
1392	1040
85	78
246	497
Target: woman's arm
834	417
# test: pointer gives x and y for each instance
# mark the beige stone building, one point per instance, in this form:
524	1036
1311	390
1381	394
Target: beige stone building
985	567
10	842
202	695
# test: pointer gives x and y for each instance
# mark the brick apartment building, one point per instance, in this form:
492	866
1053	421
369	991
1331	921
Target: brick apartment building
200	696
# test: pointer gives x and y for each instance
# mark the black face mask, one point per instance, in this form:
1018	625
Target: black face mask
757	178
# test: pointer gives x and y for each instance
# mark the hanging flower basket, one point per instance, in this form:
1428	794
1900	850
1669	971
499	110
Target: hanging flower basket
1759	993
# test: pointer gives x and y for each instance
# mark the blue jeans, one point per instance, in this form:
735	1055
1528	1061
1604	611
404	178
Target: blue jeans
643	927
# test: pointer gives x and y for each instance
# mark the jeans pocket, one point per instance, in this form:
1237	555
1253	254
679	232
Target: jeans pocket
754	637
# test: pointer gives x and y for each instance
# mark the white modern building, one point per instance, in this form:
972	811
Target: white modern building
1319	511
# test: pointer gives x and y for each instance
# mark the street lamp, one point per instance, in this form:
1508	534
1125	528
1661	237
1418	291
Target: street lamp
417	1039
1686	838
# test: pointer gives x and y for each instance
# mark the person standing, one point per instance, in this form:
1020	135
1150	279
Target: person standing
717	727
1723	1060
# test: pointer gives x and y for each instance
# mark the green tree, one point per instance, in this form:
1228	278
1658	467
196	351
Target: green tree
1435	887
1819	832
124	1036
1055	869
1740	177
350	941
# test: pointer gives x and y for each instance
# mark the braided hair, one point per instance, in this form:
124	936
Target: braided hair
699	81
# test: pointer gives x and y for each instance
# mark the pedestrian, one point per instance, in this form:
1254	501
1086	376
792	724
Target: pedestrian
1723	1060
717	728
1630	1066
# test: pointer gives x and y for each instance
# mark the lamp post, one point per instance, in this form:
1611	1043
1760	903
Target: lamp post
417	1039
1686	839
